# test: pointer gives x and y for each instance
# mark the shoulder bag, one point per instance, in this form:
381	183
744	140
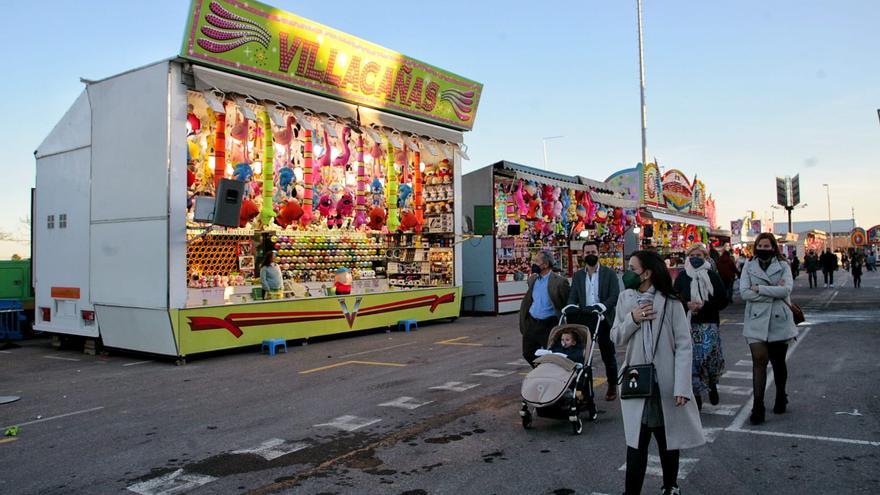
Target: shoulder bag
796	312
638	380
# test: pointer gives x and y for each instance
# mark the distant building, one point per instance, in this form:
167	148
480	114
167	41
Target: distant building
838	227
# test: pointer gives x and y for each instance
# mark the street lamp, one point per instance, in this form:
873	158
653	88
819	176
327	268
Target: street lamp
642	87
544	142
830	231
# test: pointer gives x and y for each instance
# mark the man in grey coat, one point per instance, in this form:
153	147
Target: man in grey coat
595	289
540	308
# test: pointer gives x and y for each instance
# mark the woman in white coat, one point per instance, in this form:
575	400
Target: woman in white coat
765	286
652	324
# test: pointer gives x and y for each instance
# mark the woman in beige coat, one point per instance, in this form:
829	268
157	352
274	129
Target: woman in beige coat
649	312
765	286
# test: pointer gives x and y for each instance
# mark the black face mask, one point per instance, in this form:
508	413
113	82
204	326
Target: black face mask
591	259
536	268
764	254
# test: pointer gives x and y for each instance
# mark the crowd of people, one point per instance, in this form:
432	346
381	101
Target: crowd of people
675	327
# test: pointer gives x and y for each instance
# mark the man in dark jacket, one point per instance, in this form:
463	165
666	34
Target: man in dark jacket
728	272
596	288
542	305
829	266
811	265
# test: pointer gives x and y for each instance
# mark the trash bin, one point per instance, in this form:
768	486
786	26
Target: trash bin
11	318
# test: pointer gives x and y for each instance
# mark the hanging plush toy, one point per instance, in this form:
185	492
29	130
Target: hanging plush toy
519	197
345	205
617	221
360	216
547	201
444	172
377	218
345	156
289	214
404	191
377	192
307	215
249	211
239	133
393	220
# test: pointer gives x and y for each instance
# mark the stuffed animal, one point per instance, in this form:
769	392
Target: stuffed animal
430	175
444	172
547	201
342	281
342	159
557	203
289	214
519	198
404	191
345	205
377	218
408	221
249	211
377	191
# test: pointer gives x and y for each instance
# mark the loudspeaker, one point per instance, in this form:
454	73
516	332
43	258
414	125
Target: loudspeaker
513	229
228	203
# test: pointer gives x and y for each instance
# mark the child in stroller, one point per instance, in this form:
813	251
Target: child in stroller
561	385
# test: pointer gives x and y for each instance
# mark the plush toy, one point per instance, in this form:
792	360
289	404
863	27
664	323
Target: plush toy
547	201
408	221
345	205
249	211
325	205
444	171
377	218
601	215
519	197
193	124
342	281
342	159
285	188
431	175
403	194
190	179
239	132
377	191
557	203
289	214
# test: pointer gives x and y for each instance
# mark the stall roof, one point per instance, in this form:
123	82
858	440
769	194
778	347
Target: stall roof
677	217
525	172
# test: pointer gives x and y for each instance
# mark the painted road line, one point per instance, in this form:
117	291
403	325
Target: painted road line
721	409
744	362
457	341
740	419
493	373
59	358
273	449
6	352
685	466
730	389
137	363
406	403
711	433
828	302
347	363
518	362
361	353
739	375
50	418
171	483
455	386
851	441
350	423
8	440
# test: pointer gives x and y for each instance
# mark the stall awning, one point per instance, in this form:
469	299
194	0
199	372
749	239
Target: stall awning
525	172
616	202
230	83
671	217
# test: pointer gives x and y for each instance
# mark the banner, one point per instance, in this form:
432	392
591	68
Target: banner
254	39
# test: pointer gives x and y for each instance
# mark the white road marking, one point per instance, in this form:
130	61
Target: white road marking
361	353
50	418
137	363
491	372
732	390
855	412
350	423
273	449
61	358
518	362
744	362
721	409
455	386
406	403
685	466
171	483
711	433
740	375
6	352
806	437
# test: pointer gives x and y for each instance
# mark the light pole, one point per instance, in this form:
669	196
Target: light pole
830	231
544	142
642	87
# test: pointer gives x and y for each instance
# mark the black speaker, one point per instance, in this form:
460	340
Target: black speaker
513	229
228	203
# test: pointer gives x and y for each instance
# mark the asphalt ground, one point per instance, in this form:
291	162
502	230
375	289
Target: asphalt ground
425	412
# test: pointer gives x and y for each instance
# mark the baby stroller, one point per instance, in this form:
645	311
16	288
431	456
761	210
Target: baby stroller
558	387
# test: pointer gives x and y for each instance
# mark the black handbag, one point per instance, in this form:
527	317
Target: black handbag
637	381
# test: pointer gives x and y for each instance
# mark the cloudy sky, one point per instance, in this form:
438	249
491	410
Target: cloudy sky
737	92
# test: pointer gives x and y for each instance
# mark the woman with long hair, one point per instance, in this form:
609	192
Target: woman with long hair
270	277
703	295
765	286
652	324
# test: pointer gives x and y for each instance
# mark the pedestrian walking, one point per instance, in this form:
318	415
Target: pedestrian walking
812	264
540	309
856	269
871	261
703	295
795	266
728	271
769	325
596	288
652	324
828	260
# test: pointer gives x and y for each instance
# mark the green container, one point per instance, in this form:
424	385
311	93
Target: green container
15	281
257	293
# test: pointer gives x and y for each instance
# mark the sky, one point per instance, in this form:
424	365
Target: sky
737	92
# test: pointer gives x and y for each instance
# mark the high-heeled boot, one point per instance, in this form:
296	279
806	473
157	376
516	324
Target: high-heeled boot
757	416
781	402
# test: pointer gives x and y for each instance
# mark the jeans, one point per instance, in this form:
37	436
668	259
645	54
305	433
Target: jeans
829	276
814	278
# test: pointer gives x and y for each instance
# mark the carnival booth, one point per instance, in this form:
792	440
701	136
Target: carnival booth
520	211
675	211
346	158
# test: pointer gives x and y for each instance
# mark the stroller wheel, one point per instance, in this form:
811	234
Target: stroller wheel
577	426
527	420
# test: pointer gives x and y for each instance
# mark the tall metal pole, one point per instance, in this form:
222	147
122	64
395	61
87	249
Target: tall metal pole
642	86
830	231
544	141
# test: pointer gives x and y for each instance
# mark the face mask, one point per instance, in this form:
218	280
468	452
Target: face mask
536	268
591	259
697	262
631	280
764	254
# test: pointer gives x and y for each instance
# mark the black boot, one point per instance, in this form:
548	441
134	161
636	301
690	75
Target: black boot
781	402
757	416
713	394
699	399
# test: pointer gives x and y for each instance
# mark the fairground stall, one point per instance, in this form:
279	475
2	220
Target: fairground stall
340	156
519	211
673	209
